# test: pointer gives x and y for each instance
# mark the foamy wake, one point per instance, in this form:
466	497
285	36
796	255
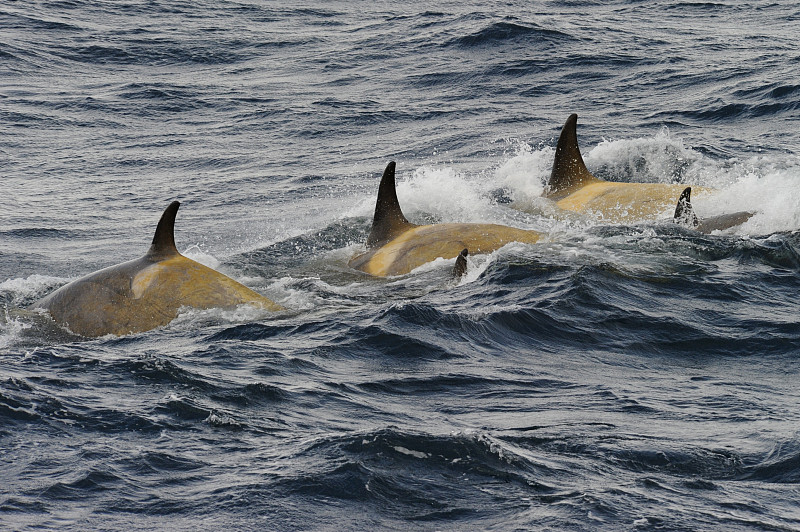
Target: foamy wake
21	291
10	328
198	255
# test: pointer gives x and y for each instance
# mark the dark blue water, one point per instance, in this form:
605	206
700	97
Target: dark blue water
609	378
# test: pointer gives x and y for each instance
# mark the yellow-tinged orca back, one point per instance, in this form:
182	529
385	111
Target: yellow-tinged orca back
145	293
574	188
396	246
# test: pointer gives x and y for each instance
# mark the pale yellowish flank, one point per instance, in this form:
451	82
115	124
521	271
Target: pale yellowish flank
625	202
193	284
140	295
422	244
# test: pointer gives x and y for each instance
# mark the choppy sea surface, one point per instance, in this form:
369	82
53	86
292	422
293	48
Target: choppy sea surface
636	377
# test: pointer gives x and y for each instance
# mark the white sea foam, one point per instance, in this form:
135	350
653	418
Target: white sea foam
10	328
445	193
526	173
768	186
23	290
658	159
411	452
206	259
189	318
290	297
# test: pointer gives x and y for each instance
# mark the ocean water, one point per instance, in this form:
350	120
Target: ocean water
639	377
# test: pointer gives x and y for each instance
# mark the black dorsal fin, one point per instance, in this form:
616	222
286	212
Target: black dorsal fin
684	213
164	240
388	221
461	264
569	171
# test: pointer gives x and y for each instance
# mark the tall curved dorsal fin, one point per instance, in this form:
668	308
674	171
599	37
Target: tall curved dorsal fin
684	213
164	240
569	171
388	221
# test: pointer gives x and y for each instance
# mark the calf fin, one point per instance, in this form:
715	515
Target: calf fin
685	216
461	264
684	213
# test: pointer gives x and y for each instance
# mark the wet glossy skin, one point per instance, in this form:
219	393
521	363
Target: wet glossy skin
143	294
421	244
614	202
575	189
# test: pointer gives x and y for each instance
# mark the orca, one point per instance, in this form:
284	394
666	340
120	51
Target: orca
685	216
396	246
145	293
574	188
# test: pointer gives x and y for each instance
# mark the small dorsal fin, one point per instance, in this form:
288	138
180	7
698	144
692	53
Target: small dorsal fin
164	240
461	264
388	221
569	171
684	213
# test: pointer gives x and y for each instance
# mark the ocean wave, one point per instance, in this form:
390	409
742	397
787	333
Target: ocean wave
94	480
701	7
771	90
482	386
67	412
184	409
155	369
257	393
373	339
707	464
12	409
163	97
406	472
502	32
144	53
731	111
18	21
154	462
257	331
780	470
